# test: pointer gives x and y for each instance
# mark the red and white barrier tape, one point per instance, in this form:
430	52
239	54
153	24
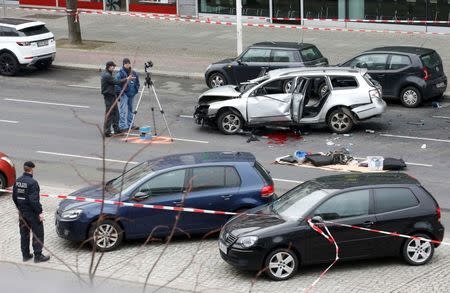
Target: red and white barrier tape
331	239
170	17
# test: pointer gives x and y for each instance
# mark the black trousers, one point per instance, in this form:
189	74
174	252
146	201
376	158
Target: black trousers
27	221
113	118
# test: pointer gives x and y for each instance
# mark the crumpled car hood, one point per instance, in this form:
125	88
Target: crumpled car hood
219	94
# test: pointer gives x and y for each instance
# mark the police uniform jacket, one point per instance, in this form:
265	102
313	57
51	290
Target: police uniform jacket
108	83
26	195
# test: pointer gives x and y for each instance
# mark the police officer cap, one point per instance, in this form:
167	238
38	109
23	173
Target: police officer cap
110	63
29	164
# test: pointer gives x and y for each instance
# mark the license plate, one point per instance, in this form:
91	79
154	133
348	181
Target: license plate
223	247
441	84
42	43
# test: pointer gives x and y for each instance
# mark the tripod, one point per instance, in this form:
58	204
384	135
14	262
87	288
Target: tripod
149	84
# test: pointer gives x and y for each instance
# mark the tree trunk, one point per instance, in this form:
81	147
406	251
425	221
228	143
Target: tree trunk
73	22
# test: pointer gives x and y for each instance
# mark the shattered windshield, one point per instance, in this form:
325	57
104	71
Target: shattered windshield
245	86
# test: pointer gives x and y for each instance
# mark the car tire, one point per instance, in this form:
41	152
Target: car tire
411	97
281	264
43	65
216	79
9	65
106	235
3	182
229	122
339	121
418	252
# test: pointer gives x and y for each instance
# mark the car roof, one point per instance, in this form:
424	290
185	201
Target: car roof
171	161
402	49
19	23
316	70
345	181
289	45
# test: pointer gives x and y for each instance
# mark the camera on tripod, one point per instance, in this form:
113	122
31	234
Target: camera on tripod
147	65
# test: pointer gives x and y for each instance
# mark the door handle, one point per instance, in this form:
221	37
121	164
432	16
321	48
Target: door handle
368	223
227	197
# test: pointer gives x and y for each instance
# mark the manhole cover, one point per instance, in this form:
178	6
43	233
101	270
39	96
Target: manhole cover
46	16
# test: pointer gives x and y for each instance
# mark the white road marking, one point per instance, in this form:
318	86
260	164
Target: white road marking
186	116
9	121
441	117
287	180
47	103
415	137
407	163
84	86
86	157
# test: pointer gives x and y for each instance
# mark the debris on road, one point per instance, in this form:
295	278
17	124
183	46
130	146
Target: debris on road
424	146
370	131
420	123
436	105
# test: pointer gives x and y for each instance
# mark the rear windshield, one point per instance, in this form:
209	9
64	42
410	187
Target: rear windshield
33	31
431	60
310	54
264	174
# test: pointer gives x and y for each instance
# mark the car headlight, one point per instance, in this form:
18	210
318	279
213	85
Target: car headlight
246	242
7	160
71	214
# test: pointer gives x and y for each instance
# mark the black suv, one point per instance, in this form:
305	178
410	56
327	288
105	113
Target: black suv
412	74
276	237
267	55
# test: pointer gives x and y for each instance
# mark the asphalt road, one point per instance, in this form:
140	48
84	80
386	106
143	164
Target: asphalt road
52	116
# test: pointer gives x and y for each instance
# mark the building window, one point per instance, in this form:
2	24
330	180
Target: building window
249	7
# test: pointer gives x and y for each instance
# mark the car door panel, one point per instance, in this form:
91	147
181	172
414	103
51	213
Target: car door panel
269	108
398	69
249	64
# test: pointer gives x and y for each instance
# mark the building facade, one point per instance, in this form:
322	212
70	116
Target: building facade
391	10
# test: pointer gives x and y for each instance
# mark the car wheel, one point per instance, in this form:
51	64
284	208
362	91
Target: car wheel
340	122
287	85
216	79
106	235
281	264
2	181
229	122
43	65
417	252
410	97
8	64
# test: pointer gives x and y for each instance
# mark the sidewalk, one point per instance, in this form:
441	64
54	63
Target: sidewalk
186	49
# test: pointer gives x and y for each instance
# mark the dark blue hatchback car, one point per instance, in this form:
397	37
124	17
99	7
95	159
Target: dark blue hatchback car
226	181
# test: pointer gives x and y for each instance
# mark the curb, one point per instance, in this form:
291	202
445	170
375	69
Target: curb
95	68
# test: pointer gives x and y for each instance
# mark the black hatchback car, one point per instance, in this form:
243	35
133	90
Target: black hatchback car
276	237
412	74
267	55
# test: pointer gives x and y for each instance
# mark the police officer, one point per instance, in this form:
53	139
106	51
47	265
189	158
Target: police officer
26	198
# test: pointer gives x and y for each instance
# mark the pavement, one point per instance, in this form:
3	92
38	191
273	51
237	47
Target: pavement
180	49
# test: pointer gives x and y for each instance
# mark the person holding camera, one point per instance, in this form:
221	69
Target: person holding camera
130	89
108	83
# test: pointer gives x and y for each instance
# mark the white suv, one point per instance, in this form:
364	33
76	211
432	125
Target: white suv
25	43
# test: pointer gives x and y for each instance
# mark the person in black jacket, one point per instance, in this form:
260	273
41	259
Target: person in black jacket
26	198
108	84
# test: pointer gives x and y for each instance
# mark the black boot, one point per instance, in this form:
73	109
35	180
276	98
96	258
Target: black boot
27	257
41	258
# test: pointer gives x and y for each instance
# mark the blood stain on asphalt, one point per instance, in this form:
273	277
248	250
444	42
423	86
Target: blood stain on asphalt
282	137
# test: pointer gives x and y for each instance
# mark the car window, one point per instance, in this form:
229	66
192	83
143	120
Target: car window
310	54
343	82
283	56
272	88
170	182
214	177
256	55
8	32
431	60
345	205
263	172
33	30
391	199
370	61
399	61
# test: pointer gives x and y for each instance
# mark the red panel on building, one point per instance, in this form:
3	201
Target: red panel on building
85	5
157	8
38	2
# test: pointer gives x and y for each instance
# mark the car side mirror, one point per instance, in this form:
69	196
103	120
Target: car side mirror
239	61
138	196
317	220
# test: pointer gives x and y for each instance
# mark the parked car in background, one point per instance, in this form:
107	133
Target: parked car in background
7	171
277	238
339	97
259	56
25	43
413	74
225	181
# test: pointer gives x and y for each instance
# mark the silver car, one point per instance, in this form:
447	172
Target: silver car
339	97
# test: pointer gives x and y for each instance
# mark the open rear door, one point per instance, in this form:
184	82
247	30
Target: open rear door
297	99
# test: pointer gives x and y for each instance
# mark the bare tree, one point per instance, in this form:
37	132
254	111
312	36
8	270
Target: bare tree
73	22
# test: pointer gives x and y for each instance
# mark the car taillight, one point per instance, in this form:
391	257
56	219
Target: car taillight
438	211
267	191
426	74
22	44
